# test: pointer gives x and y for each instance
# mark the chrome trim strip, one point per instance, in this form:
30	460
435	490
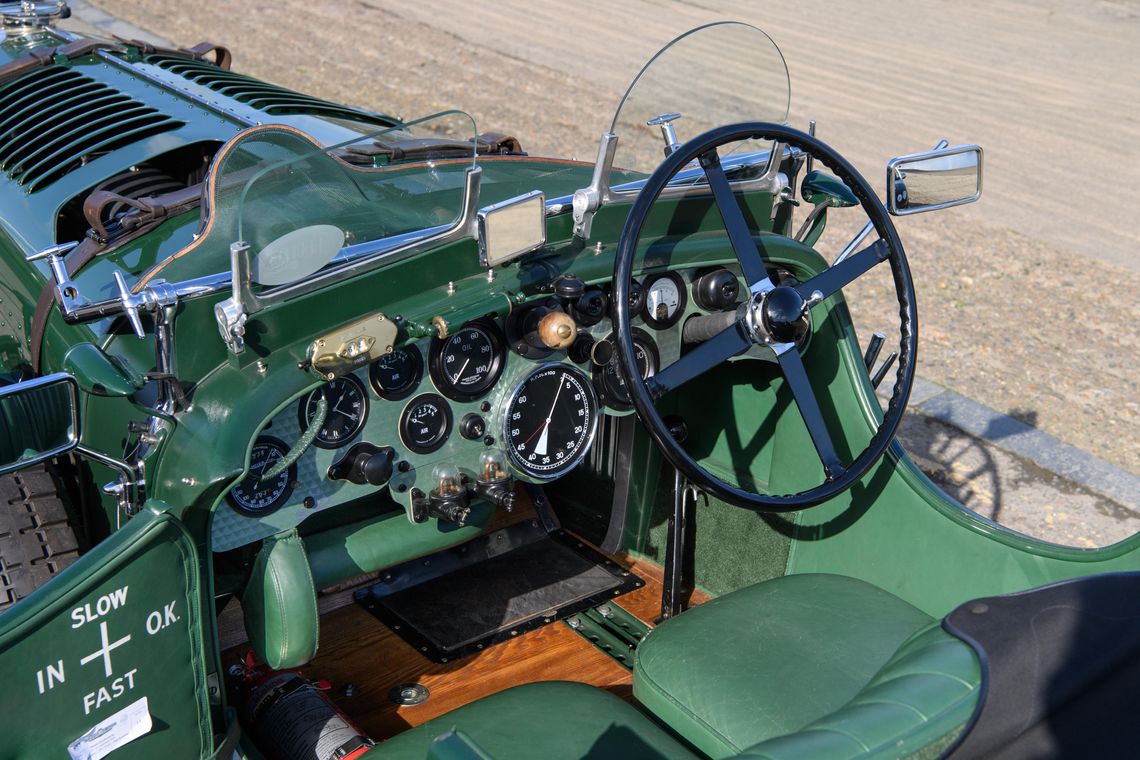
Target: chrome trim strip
678	187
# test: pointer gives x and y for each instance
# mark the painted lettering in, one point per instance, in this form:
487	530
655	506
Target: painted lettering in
47	678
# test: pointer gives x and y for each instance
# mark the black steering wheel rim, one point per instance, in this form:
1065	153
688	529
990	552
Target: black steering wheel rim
889	249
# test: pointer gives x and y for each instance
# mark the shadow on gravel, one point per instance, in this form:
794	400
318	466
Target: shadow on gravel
1011	491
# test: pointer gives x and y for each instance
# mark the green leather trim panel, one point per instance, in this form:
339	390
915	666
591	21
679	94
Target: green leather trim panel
815	652
280	604
553	720
364	547
122	623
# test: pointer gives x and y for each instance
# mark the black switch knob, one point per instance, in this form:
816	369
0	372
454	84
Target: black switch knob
376	469
472	427
365	464
569	287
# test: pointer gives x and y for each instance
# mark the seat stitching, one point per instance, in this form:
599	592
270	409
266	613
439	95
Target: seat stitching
696	718
912	708
832	729
909	731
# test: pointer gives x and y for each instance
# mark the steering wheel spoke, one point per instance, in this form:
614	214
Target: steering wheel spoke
796	377
719	348
833	279
748	253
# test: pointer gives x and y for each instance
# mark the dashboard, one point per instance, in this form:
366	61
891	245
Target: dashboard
499	399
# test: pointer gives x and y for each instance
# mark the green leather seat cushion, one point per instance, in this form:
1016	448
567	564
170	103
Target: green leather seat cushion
808	665
552	719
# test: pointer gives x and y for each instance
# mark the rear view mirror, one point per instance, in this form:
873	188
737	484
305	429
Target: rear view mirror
39	419
939	179
509	229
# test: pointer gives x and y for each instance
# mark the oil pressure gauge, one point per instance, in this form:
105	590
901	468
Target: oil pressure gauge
467	363
665	300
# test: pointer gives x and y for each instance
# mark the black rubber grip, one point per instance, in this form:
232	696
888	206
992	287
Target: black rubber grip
700	329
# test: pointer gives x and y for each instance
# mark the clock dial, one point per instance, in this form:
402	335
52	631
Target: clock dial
347	411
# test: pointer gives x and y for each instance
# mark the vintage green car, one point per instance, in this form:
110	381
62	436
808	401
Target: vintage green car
326	434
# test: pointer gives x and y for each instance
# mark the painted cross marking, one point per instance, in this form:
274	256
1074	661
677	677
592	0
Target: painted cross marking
105	650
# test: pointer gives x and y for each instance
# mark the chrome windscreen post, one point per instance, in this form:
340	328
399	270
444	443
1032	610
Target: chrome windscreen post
588	200
232	313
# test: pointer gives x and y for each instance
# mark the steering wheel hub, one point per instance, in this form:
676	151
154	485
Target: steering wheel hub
784	315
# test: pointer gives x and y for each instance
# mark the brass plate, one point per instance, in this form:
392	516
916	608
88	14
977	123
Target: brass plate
356	345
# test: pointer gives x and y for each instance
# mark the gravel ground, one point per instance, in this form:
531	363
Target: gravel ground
1027	300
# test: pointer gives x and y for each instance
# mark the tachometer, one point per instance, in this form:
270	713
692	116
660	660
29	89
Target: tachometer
256	495
425	423
467	363
550	420
347	411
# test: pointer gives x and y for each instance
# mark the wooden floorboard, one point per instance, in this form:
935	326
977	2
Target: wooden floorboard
357	649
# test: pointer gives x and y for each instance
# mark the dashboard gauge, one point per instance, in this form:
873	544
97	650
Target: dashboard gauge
665	300
347	410
550	420
608	379
425	423
394	376
466	364
255	495
636	297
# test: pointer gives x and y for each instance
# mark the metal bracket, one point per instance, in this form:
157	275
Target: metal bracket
129	489
233	312
588	200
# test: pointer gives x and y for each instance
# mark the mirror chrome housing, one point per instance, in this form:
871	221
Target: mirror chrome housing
941	178
512	228
39	419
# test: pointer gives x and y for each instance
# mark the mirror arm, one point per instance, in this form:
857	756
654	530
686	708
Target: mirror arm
128	489
588	200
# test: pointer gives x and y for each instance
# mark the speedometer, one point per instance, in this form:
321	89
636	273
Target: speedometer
550	420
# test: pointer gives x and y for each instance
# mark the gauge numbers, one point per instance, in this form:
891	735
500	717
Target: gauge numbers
466	364
608	379
550	421
255	495
665	300
394	376
425	423
347	411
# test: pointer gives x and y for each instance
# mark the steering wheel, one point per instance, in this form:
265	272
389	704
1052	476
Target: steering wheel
772	318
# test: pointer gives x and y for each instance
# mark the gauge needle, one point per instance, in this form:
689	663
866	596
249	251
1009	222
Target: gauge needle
459	374
261	471
540	447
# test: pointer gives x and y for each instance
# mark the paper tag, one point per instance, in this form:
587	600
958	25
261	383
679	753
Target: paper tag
121	728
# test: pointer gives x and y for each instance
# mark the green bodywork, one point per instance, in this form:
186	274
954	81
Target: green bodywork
895	529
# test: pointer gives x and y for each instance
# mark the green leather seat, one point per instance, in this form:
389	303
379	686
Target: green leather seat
553	719
808	666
